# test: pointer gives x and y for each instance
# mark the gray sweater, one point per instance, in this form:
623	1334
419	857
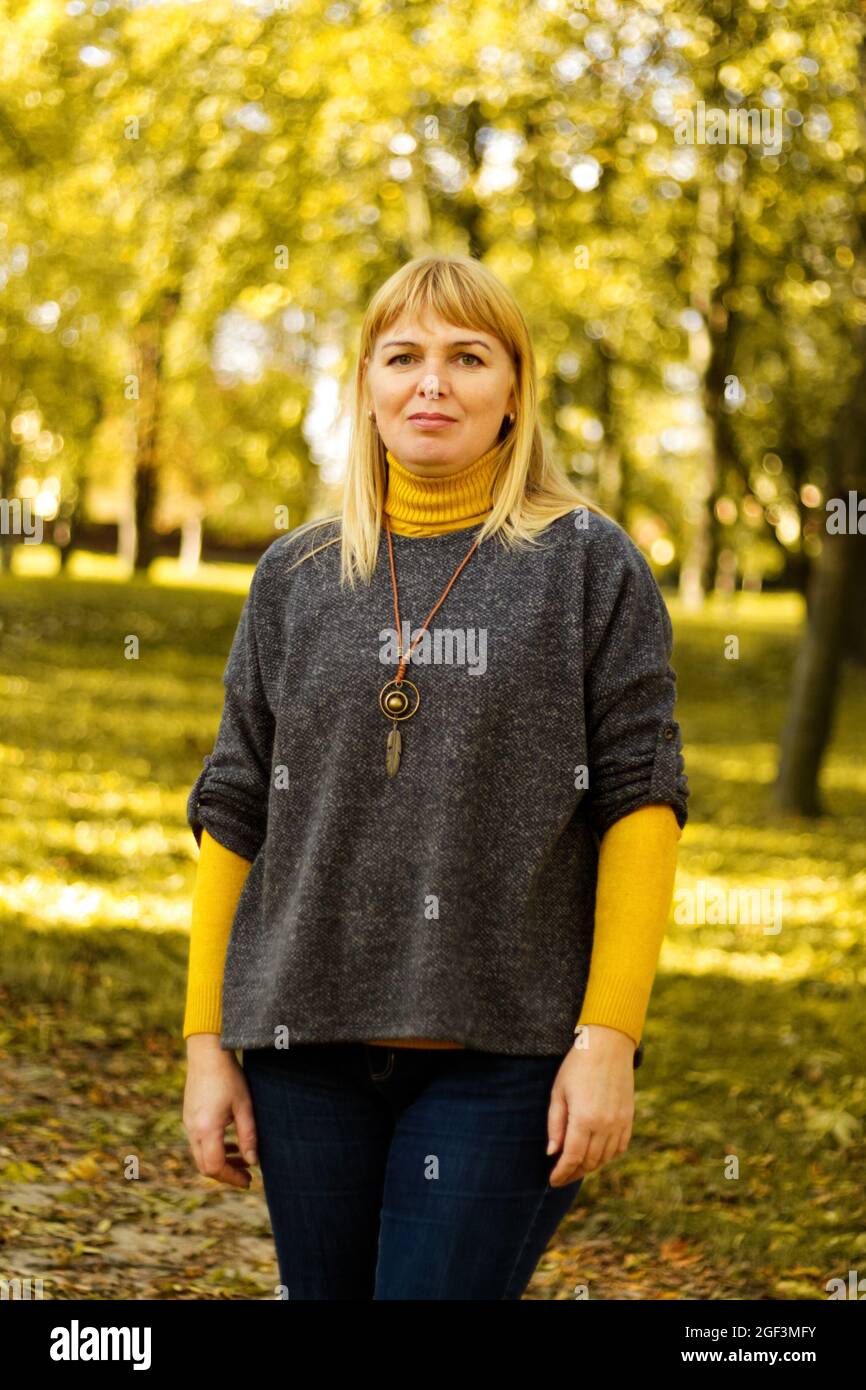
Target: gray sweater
455	899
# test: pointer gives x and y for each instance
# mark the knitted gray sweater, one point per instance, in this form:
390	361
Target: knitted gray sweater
455	899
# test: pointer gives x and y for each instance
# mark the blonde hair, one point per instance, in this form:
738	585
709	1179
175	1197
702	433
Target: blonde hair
530	490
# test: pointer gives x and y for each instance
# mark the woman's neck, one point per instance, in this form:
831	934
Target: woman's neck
416	506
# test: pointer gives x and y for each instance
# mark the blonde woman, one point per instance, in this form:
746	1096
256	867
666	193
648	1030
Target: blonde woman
438	832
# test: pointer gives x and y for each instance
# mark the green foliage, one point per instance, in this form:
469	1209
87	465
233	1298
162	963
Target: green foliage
270	169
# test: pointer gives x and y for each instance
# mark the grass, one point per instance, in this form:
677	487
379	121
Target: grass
744	1174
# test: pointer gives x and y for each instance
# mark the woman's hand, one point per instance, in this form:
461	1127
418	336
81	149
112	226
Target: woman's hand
216	1092
592	1104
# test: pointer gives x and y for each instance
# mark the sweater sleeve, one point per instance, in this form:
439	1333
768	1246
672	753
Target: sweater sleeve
230	796
219	879
636	874
634	743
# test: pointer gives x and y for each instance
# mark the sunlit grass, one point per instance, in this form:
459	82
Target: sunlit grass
764	611
230	578
43	561
42	901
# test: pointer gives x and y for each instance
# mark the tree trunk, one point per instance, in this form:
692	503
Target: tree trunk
798	566
190	543
816	682
418	221
149	341
148	358
856	628
466	209
835	625
8	469
723	393
126	534
66	526
611	488
856	635
825	641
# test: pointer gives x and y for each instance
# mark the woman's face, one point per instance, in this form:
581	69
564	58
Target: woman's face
436	369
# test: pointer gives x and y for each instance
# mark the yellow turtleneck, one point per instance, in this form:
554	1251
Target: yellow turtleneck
418	506
637	858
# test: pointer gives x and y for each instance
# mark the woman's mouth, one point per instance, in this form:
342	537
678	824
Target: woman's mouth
430	422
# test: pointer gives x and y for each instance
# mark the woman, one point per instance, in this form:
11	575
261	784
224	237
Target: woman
443	888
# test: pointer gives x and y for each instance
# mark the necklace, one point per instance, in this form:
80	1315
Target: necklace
394	703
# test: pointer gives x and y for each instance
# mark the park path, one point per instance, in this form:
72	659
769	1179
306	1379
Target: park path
70	1217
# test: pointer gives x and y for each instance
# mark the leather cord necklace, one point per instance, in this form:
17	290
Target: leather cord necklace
394	703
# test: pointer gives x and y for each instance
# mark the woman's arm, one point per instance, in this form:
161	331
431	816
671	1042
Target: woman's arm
219	879
636	872
592	1102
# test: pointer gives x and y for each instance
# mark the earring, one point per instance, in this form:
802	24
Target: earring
512	418
369	414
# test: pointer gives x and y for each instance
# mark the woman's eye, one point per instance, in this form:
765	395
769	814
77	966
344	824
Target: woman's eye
400	356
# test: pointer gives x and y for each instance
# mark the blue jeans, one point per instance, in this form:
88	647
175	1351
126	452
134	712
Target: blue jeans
405	1173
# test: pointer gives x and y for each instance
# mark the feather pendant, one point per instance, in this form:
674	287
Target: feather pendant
392	756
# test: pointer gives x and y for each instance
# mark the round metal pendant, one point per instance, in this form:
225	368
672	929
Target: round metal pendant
395	703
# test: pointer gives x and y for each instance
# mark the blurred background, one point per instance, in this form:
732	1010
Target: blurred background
196	202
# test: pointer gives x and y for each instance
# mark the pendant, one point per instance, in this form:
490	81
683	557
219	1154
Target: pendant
392	757
396	705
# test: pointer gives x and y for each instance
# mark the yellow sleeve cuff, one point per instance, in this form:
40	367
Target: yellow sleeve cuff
636	874
219	879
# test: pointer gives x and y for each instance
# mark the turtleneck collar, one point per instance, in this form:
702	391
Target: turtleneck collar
416	506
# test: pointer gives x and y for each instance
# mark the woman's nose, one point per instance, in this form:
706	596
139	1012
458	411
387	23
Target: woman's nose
430	386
